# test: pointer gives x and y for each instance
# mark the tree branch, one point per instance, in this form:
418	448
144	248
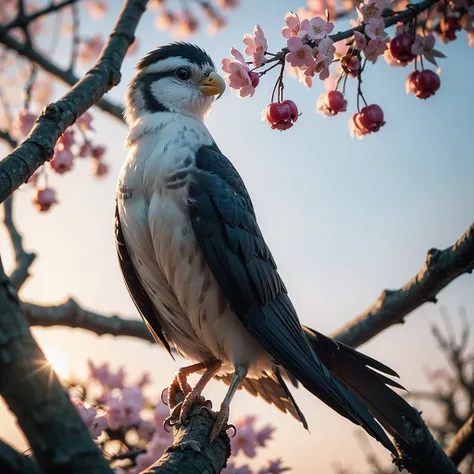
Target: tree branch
190	452
38	147
463	443
13	462
64	75
70	314
58	437
23	260
440	269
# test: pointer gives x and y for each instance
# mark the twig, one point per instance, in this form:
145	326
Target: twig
24	20
62	74
463	443
38	147
440	269
23	260
75	38
6	137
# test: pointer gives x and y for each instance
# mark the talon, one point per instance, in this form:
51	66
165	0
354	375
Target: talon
164	398
231	427
173	390
220	423
208	409
173	418
192	398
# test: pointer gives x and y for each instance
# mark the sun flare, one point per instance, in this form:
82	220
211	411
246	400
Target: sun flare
58	360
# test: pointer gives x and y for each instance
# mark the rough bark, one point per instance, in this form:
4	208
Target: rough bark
190	452
441	268
59	439
13	462
38	147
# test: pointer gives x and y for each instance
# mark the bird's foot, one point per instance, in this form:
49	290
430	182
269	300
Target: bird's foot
179	384
173	417
192	398
221	422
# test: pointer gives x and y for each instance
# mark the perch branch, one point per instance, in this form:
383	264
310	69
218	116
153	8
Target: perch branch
441	268
38	147
463	443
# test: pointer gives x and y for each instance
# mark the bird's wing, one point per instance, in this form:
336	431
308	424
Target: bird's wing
227	232
142	301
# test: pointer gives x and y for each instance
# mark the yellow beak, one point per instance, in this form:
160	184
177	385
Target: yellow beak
213	84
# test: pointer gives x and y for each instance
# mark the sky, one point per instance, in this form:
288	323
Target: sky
344	219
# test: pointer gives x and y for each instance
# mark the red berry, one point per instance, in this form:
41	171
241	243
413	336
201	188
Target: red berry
44	198
370	118
254	78
331	103
400	47
293	109
281	115
423	84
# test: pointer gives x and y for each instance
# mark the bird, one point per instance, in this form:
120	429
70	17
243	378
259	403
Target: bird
201	275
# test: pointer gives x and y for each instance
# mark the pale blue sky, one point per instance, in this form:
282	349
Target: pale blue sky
344	219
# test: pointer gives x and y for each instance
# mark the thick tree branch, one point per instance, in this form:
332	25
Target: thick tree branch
38	147
70	314
23	260
190	452
463	443
13	462
58	437
440	269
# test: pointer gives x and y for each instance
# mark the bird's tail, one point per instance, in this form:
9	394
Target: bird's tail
371	387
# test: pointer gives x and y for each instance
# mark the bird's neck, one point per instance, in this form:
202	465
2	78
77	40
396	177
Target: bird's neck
155	123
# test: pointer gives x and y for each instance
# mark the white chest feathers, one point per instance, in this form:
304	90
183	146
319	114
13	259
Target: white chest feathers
152	200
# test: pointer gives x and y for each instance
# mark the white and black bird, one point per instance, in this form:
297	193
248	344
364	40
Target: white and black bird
198	268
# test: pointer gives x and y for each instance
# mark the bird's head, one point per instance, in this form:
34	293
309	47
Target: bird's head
178	77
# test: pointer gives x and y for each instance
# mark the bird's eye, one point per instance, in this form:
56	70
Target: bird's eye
183	73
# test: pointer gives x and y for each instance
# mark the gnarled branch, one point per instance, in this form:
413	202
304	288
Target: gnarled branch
440	269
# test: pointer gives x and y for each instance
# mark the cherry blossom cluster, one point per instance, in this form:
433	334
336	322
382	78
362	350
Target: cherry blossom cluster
183	20
129	425
312	51
72	145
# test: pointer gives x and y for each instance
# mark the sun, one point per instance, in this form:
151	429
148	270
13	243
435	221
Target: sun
57	360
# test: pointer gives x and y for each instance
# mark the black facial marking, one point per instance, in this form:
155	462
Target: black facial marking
151	103
187	51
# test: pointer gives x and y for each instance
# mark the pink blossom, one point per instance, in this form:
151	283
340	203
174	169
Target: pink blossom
104	376
187	24
62	161
90	49
66	141
324	53
316	28
292	27
360	41
95	424
42	91
145	430
115	413
300	55
97	8
264	435
374	49
159	415
319	7
375	29
354	130
85	122
391	61
100	169
145	379
85	150
233	469
98	151
425	45
227	4
371	10
256	45
165	20
23	123
470	36
245	439
133	401
238	74
274	467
